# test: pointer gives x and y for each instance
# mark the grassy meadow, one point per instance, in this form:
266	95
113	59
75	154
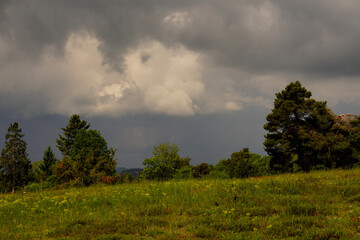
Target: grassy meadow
318	205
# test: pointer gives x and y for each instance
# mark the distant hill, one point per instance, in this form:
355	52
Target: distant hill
133	171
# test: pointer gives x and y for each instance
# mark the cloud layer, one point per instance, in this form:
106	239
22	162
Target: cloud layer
181	58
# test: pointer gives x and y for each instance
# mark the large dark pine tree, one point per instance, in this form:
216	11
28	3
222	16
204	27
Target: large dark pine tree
15	166
296	129
65	143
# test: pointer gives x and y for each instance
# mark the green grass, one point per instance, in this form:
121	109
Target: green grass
319	205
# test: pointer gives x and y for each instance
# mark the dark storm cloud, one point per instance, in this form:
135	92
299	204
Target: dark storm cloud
319	37
147	64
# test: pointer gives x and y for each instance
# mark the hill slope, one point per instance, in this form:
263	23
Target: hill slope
319	205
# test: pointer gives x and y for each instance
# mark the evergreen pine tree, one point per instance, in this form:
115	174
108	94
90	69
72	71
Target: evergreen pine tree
15	167
48	161
92	157
296	129
65	143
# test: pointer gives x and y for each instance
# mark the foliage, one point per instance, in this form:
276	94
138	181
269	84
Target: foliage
261	164
65	143
38	174
340	146
243	164
355	134
201	170
183	173
220	170
296	129
165	161
15	167
41	186
48	161
90	159
110	180
65	170
118	178
126	178
316	205
240	166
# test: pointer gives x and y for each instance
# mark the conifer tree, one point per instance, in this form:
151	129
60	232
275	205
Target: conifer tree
15	167
48	161
92	157
65	143
89	160
296	129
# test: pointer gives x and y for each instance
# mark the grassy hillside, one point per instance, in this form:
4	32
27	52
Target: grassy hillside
319	205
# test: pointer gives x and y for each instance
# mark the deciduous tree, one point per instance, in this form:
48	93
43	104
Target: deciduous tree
165	161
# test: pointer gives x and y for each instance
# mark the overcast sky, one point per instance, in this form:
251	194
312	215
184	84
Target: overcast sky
199	73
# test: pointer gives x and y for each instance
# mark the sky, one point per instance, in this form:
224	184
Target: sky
201	74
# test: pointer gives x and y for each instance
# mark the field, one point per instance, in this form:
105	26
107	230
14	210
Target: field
319	205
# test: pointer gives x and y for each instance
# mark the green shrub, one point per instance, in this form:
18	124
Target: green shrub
53	179
183	173
201	170
36	187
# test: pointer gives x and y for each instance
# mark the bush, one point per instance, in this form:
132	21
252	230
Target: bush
37	187
219	174
261	163
126	178
244	164
220	170
53	179
201	170
183	173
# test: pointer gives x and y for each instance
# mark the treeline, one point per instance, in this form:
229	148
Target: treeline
302	135
167	164
86	159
